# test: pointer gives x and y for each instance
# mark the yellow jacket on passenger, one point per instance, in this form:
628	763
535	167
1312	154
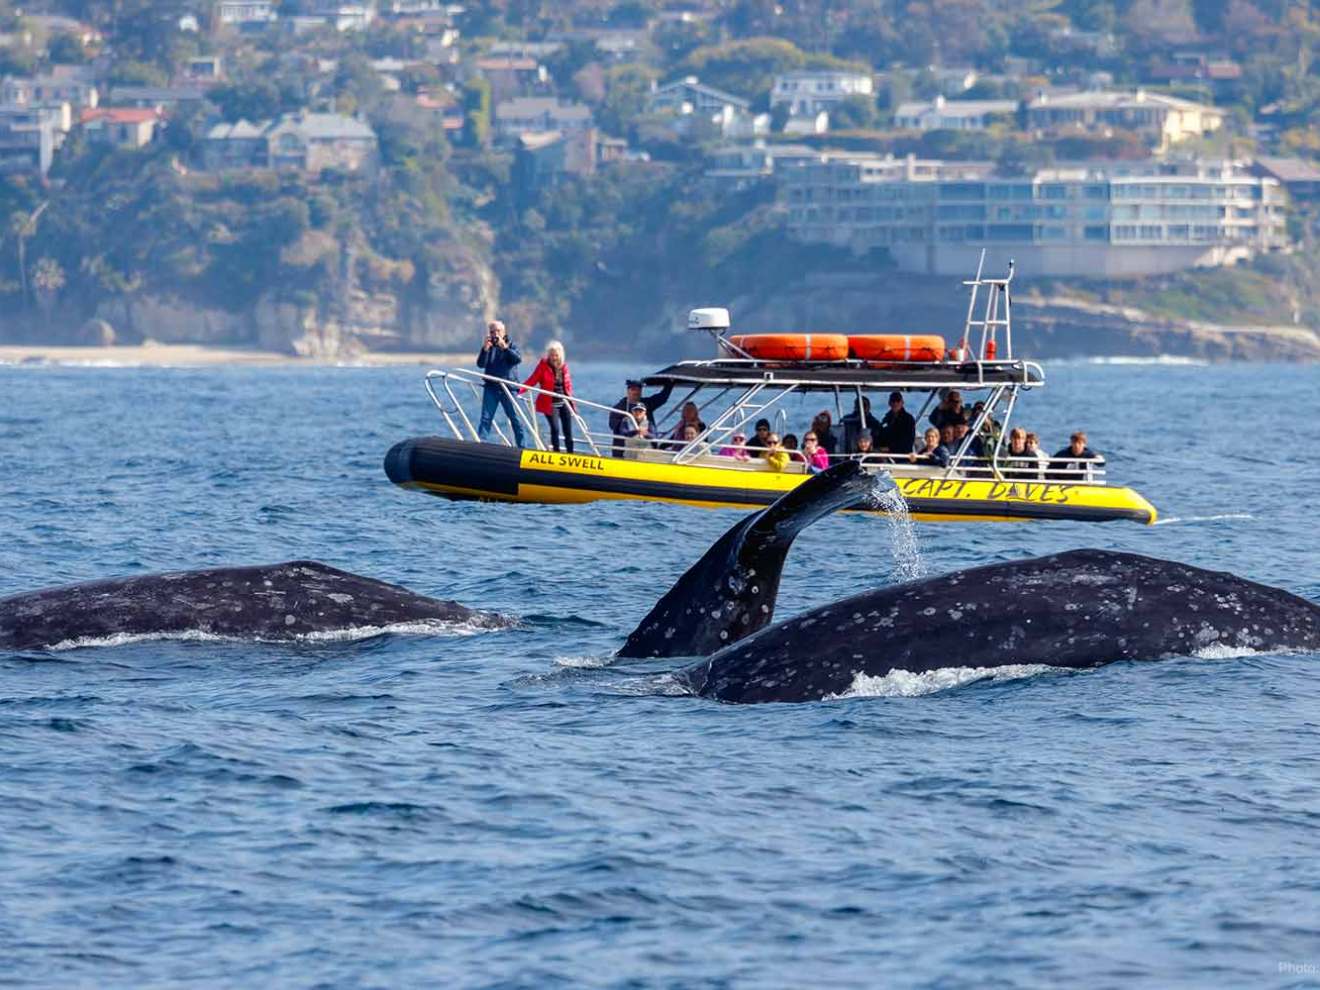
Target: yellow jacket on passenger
778	460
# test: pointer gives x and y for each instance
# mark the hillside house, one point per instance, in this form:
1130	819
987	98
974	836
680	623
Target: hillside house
690	95
810	91
306	142
121	127
940	114
1164	119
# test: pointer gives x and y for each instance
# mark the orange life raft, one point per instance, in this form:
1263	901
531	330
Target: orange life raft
896	347
793	346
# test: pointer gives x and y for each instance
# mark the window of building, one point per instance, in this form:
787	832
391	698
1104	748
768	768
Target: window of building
1009	232
1054	190
1096	191
1096	233
1151	232
1125	232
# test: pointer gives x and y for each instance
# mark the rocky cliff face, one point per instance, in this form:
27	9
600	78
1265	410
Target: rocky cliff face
447	315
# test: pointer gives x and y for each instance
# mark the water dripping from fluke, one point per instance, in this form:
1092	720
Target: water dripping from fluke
885	497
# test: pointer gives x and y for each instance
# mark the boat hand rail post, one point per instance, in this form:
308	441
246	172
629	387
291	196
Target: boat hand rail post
980	469
477	396
473	379
1004	429
716	429
966	444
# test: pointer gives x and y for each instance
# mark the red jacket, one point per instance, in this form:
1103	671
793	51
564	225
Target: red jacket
544	377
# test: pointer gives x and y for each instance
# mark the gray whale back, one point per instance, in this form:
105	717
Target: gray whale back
276	602
1082	608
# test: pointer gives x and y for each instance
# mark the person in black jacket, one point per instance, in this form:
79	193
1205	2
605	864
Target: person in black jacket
1077	459
620	425
898	430
498	357
858	421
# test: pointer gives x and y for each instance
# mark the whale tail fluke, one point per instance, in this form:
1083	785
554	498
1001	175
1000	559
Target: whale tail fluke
730	592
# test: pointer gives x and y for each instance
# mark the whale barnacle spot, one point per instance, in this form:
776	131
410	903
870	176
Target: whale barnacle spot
724	634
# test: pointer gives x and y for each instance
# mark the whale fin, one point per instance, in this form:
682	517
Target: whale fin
730	592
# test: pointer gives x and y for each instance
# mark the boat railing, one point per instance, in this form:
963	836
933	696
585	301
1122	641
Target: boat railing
521	396
446	386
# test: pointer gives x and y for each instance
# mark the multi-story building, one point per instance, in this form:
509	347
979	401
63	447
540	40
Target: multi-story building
1166	119
809	91
29	137
308	142
64	84
1096	219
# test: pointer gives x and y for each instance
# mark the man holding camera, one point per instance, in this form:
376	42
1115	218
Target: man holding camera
498	357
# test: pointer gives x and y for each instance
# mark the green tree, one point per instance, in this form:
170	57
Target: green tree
65	49
476	113
746	67
856	113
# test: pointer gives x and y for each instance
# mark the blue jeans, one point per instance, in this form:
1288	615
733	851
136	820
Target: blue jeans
493	397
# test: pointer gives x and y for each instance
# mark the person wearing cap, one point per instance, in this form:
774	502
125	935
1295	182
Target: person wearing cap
620	425
737	448
497	358
898	430
761	438
641	438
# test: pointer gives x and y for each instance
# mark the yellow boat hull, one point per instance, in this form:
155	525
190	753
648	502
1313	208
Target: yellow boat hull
464	470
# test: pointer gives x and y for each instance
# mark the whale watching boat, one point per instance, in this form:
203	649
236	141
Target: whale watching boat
757	376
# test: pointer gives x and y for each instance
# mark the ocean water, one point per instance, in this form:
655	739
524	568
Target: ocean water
510	809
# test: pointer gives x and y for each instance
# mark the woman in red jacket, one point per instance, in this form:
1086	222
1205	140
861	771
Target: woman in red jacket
551	373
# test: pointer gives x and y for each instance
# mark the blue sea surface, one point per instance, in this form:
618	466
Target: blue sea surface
510	809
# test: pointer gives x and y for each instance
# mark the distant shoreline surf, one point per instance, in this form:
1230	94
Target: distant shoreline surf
198	355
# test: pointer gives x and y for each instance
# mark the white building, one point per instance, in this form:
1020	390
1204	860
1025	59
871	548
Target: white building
1166	119
940	114
809	91
240	13
1107	219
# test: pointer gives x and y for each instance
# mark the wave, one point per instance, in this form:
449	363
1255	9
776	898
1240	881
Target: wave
348	634
906	684
1222	517
1152	359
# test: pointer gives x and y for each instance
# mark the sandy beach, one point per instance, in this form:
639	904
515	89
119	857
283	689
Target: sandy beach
197	355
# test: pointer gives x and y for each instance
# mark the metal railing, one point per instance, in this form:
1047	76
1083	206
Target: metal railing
710	445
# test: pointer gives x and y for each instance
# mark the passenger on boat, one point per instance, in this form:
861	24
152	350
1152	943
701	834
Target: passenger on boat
823	427
737	448
866	449
987	437
857	422
1014	458
776	456
619	424
932	451
640	439
498	357
691	417
1034	453
791	445
898	430
817	459
761	438
1077	458
950	406
958	425
551	373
